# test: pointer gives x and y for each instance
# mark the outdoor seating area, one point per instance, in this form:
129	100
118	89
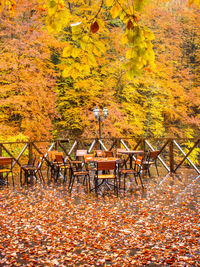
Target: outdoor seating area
77	165
98	171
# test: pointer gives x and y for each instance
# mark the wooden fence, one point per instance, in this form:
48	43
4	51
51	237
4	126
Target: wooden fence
174	153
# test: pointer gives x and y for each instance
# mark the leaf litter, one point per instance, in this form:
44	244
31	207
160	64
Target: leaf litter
158	226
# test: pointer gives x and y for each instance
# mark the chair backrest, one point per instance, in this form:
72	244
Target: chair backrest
40	161
138	160
109	154
106	165
99	153
138	163
81	152
51	154
154	154
59	158
5	161
88	157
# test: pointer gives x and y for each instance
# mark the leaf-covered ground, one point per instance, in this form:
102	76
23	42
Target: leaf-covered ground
158	226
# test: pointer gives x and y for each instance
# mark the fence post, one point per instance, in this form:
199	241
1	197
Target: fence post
171	155
1	175
56	145
30	159
118	143
143	144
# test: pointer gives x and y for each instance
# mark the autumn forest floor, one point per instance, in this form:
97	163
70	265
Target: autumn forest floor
157	226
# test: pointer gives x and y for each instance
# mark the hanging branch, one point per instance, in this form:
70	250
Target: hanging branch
132	16
101	6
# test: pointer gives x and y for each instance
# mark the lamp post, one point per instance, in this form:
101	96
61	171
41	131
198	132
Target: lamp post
99	117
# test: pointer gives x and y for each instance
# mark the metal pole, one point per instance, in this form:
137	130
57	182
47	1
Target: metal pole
99	127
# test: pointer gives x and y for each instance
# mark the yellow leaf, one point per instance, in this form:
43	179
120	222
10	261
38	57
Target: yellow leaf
115	10
76	28
52	11
96	51
124	39
131	53
91	59
149	35
75	52
100	45
83	45
67	51
109	3
66	72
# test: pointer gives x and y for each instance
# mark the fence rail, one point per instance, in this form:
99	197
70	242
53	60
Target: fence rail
174	153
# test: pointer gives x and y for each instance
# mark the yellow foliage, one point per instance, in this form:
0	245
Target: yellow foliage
109	2
67	51
75	52
115	10
196	2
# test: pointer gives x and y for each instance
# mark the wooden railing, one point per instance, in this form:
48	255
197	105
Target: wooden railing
174	153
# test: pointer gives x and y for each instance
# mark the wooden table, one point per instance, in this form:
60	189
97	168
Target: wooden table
130	153
97	159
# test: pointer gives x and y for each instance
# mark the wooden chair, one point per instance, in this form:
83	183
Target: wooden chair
51	170
77	173
61	166
32	171
98	153
152	157
106	171
79	159
109	154
136	172
6	167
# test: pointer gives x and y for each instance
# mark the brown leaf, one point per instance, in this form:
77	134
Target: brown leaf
94	27
129	25
135	18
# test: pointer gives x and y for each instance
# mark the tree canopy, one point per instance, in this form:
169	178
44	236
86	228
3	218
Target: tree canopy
62	58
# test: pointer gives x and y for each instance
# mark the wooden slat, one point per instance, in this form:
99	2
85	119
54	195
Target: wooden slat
10	154
186	156
193	165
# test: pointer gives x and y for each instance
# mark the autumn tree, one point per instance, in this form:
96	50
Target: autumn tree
27	76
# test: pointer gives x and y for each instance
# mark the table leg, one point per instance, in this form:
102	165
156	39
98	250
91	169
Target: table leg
131	161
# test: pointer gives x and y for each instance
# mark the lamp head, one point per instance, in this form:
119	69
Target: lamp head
105	112
96	112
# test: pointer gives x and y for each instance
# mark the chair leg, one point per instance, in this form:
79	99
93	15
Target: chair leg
119	180
96	184
41	176
65	173
124	182
21	177
140	180
156	167
71	184
88	183
7	179
149	172
136	179
116	186
13	179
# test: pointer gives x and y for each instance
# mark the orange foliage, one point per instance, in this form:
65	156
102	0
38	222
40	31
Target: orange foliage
27	75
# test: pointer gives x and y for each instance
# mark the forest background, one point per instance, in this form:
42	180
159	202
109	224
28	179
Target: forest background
60	59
